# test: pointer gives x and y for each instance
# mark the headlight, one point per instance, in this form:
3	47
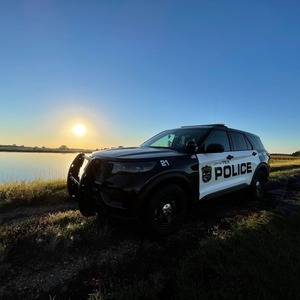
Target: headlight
136	167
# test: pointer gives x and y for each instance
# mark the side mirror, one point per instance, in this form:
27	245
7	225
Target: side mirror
192	146
214	148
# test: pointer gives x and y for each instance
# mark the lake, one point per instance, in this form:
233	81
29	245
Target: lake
23	166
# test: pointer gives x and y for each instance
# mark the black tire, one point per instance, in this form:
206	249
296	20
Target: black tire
166	210
86	206
259	183
85	197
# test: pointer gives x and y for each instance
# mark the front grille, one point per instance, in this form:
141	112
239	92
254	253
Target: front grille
98	170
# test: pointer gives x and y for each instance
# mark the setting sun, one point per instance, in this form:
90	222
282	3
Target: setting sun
79	129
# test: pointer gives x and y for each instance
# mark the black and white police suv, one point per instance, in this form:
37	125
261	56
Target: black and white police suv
159	179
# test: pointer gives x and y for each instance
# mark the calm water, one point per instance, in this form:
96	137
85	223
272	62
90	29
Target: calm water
32	166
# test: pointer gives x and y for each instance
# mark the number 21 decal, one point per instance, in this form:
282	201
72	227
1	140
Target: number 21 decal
164	163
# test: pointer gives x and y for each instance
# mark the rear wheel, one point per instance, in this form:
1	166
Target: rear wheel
259	184
166	210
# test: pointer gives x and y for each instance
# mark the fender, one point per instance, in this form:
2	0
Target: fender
175	176
262	166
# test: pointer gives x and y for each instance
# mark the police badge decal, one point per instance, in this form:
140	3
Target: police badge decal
206	173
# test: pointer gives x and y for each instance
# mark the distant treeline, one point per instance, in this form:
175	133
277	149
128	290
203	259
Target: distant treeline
286	155
297	153
61	149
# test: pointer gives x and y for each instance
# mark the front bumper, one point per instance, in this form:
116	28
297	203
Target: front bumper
97	190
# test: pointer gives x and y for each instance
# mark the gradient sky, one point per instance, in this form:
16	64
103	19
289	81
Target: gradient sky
130	69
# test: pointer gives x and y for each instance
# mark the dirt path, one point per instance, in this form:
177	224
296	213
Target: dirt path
118	252
26	212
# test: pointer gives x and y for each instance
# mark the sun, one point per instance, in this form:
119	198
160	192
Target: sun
79	129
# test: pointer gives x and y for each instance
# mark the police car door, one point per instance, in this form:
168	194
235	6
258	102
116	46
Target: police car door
244	159
215	157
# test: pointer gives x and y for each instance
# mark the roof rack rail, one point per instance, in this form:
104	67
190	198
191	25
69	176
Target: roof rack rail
217	125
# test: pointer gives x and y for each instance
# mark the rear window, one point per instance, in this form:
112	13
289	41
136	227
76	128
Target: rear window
257	143
240	142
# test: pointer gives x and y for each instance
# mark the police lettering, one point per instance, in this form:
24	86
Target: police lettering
233	170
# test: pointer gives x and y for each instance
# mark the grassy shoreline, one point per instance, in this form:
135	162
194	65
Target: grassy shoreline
38	192
62	149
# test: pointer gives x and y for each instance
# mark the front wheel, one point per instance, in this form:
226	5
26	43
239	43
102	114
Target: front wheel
166	210
86	206
259	184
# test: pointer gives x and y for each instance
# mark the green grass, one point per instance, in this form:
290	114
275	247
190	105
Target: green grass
53	233
260	260
283	174
38	192
282	163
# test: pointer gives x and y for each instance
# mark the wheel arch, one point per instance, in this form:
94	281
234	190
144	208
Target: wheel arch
259	181
261	167
170	178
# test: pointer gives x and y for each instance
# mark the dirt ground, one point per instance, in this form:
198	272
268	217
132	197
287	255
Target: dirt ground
123	250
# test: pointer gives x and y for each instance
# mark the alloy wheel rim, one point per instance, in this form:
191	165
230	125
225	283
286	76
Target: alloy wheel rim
166	212
259	188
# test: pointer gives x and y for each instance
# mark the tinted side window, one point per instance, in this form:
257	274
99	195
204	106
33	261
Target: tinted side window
250	147
239	141
218	137
256	141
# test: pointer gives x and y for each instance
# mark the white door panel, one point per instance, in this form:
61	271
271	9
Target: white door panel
210	178
220	171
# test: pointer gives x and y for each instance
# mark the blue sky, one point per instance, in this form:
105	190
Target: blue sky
130	69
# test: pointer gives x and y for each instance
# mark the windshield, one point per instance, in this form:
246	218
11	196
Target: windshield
177	138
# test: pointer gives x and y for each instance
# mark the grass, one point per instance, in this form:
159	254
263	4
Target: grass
257	258
53	233
281	162
38	192
284	168
284	174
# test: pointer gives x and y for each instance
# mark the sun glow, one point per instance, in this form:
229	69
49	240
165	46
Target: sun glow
79	129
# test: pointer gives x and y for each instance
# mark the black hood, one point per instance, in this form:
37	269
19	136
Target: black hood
136	153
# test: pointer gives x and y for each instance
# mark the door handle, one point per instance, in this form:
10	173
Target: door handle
230	156
254	153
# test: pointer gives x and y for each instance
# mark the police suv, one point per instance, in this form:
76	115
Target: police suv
159	179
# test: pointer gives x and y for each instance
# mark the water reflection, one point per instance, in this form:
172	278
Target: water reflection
21	166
